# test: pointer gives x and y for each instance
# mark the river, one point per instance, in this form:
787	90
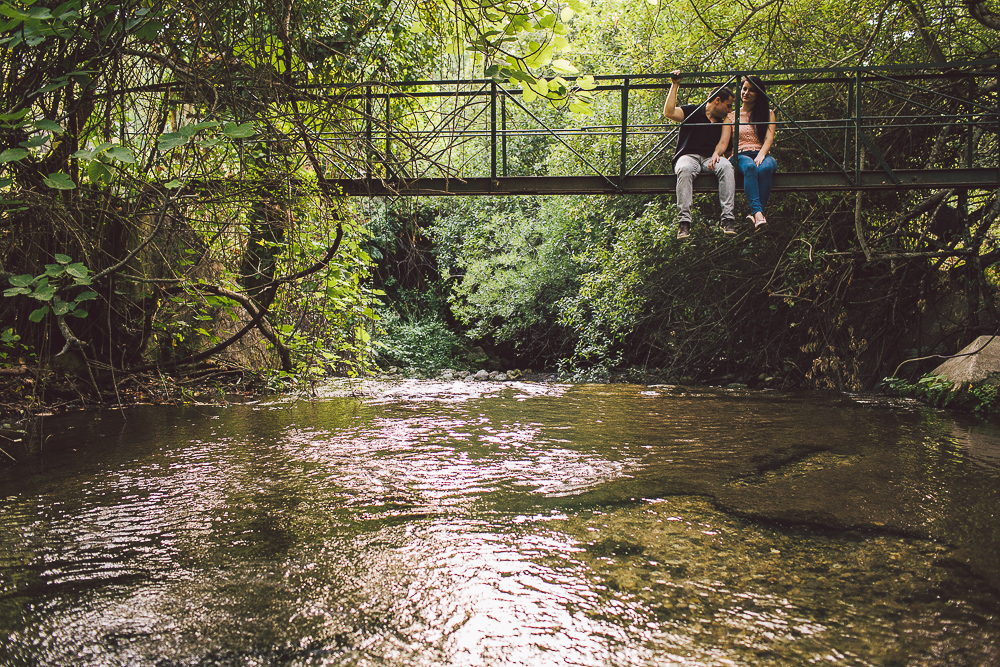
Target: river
423	523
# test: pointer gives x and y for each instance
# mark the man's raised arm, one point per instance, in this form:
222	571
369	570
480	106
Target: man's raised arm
670	108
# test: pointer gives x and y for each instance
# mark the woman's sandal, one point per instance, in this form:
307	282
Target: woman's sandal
757	224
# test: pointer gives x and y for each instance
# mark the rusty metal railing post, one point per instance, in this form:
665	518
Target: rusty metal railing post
503	133
737	100
857	126
493	131
623	151
368	132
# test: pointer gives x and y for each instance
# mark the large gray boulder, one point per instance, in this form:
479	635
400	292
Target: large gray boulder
974	364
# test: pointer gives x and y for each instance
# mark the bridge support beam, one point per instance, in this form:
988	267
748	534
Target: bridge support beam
969	179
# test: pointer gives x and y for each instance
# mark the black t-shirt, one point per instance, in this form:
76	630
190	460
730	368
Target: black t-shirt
698	135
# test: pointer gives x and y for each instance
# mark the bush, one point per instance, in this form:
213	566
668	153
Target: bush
426	343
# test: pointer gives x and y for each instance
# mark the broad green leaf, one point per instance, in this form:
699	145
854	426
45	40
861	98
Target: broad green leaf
59	181
528	93
79	312
564	66
36	316
77	270
87	296
98	173
586	82
541	57
14	291
234	131
6	182
49	125
60	307
54	270
23	280
17	115
13	13
44	293
61	82
121	154
566	14
560	42
40	13
35	141
171	184
170	140
547	22
63	259
13	154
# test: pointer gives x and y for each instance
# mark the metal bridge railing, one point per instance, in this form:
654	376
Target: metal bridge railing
919	126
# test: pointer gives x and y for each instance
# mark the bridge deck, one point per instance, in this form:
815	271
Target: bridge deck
665	184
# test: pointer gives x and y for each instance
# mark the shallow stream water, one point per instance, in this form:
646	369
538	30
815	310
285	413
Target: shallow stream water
506	524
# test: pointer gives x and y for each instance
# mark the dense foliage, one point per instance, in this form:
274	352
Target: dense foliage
165	166
167	200
841	287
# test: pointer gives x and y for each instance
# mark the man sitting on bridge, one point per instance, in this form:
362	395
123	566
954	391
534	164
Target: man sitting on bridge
702	142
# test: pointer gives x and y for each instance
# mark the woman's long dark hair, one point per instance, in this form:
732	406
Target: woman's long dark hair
761	112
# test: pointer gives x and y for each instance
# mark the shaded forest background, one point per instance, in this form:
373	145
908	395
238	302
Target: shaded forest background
166	216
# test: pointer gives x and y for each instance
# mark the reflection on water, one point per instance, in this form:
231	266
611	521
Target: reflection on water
429	524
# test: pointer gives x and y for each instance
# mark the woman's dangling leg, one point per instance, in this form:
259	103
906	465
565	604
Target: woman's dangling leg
748	168
765	176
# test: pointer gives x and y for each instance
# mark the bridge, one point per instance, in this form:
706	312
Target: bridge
839	129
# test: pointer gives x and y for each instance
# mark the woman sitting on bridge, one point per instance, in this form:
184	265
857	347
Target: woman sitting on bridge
757	127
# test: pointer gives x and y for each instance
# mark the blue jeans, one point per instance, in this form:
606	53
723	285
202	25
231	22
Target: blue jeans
756	180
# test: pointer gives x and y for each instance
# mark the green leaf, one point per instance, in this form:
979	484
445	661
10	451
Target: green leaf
6	182
44	293
98	173
171	184
87	296
54	270
586	82
17	115
234	131
566	14
63	259
50	126
60	307
121	154
23	280
79	312
77	270
35	141
170	140
37	315
13	154
417	28
14	291
61	82
564	66
59	181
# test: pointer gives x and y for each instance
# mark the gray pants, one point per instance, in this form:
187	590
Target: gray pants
689	166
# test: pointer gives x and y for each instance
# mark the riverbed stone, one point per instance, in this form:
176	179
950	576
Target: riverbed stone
975	363
447	375
482	375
